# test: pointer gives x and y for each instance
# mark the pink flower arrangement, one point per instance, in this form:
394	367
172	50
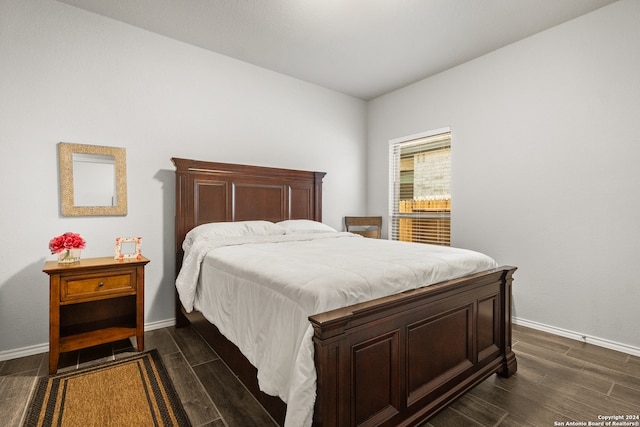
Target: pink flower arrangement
65	242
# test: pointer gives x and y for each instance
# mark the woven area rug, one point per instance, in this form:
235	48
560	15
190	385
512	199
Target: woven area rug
133	391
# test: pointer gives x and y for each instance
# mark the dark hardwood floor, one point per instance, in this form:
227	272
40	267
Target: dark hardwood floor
558	381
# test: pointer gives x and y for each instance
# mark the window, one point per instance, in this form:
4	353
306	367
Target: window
420	188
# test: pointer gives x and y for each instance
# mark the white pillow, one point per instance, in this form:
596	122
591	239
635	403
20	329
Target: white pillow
305	226
220	230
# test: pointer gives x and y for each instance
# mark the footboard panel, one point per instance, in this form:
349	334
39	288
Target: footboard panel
398	360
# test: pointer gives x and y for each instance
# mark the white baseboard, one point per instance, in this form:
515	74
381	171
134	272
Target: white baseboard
159	325
43	348
24	351
578	336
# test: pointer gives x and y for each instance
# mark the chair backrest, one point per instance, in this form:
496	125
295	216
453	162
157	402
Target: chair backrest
367	226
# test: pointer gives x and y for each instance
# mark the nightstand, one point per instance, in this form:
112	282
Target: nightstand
94	301
367	226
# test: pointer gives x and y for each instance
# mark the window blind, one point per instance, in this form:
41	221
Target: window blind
420	188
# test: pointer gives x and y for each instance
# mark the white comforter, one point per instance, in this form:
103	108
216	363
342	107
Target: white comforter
260	291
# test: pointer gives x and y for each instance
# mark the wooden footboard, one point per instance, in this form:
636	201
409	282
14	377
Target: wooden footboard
400	359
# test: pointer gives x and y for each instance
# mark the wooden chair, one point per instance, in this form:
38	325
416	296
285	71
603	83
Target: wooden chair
367	226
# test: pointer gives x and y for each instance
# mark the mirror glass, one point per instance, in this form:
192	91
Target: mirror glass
92	180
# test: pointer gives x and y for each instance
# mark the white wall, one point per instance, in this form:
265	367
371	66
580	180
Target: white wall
545	170
69	75
545	143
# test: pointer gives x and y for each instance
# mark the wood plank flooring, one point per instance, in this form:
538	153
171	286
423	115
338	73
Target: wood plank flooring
559	381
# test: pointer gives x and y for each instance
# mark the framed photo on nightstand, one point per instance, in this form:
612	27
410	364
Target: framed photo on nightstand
128	248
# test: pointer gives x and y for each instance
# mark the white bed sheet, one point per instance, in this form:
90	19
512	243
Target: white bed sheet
260	295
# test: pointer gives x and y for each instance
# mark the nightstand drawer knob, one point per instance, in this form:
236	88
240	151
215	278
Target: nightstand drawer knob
100	284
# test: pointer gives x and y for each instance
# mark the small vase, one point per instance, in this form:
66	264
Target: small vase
68	256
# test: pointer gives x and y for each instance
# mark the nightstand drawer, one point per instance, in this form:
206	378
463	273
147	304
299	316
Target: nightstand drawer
96	286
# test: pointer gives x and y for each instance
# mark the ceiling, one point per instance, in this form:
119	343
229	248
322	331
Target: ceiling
363	48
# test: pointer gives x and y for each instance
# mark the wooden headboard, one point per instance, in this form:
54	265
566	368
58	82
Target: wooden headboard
215	192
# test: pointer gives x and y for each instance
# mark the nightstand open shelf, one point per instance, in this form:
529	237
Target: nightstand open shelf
94	301
91	338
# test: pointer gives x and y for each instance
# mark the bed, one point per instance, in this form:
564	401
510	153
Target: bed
392	360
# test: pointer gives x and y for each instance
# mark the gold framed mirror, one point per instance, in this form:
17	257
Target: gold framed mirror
93	180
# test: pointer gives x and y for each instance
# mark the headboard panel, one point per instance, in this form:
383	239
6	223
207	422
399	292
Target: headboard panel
215	192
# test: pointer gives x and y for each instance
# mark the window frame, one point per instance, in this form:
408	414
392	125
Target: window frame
441	216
